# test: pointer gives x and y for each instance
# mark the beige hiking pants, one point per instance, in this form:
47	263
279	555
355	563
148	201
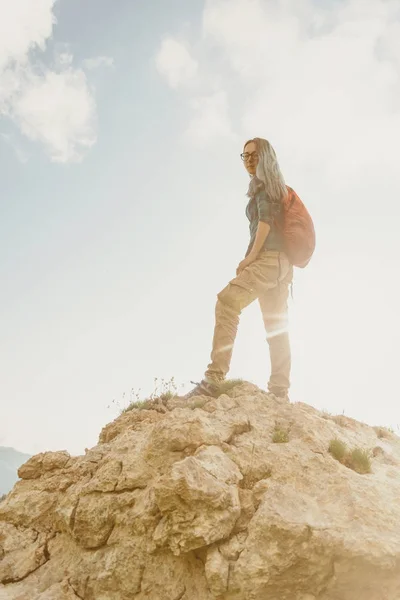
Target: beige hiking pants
268	279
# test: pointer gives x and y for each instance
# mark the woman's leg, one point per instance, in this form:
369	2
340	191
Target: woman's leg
231	301
275	315
254	281
257	280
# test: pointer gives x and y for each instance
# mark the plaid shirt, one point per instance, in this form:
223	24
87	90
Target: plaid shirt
260	208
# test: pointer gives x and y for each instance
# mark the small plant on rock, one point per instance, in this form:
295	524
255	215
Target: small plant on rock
357	459
384	432
280	435
226	386
338	449
326	414
139	405
339	420
134	398
163	391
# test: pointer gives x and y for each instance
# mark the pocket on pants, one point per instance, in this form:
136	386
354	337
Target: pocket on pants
261	275
245	280
236	297
265	273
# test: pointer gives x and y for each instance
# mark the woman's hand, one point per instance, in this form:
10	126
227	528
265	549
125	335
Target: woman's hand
245	263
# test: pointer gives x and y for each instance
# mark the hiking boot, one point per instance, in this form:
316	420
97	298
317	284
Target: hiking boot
204	388
279	397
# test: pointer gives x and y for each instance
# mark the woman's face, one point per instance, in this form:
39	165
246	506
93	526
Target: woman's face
250	158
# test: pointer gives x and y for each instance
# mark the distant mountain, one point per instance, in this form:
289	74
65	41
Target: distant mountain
10	461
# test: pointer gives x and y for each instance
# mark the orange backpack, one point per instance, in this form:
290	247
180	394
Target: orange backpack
298	230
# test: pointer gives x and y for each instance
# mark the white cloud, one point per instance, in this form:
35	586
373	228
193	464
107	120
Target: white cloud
211	119
315	77
58	110
321	80
54	107
23	25
210	110
175	63
98	61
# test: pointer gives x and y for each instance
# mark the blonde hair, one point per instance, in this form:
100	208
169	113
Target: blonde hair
268	172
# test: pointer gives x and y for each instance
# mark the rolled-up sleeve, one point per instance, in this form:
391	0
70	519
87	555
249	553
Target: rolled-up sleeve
264	208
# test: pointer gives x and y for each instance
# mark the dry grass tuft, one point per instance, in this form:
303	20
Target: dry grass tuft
357	459
226	386
163	391
280	435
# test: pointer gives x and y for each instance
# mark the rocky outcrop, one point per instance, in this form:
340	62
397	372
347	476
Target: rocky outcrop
195	501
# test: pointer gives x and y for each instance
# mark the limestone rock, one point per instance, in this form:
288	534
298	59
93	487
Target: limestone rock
22	552
197	502
217	572
198	507
43	463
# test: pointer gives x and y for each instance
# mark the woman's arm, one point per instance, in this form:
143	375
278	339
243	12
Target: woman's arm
263	230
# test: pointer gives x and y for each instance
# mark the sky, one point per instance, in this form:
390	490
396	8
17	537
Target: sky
122	199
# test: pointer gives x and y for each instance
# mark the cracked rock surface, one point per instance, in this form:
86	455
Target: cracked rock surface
194	501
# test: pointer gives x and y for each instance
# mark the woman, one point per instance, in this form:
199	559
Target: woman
264	274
